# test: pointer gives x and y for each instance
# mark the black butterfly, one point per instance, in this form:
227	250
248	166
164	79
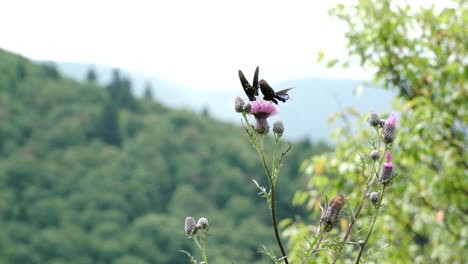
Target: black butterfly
270	95
250	90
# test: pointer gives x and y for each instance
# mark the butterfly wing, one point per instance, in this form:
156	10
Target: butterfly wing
283	94
267	91
248	89
255	80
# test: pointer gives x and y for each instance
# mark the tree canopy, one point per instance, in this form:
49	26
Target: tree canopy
91	174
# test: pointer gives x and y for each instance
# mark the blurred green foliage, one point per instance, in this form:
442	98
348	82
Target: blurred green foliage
422	53
90	174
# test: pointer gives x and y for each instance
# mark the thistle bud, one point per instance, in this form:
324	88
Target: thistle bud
190	226
373	119
382	122
388	131
374	155
239	104
278	128
374	198
330	216
247	108
386	174
202	223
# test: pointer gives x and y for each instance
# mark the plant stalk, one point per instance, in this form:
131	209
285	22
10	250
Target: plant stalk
273	208
374	219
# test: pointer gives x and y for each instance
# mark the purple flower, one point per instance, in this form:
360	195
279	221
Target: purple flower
391	121
386	175
388	131
261	110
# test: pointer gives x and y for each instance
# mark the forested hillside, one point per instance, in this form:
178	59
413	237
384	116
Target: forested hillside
91	174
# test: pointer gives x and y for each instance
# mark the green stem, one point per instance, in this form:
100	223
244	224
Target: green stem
374	219
275	171
361	204
201	247
271	180
318	242
272	206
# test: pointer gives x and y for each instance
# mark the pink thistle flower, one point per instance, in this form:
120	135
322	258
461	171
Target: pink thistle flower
389	163
391	121
388	130
261	110
386	175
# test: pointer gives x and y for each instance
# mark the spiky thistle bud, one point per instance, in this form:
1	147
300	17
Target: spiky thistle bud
374	155
388	131
373	119
190	226
374	198
278	128
330	216
202	223
386	174
382	122
247	108
239	104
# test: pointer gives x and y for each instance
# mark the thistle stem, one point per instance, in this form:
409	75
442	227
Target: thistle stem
319	241
272	206
374	219
271	179
201	247
361	204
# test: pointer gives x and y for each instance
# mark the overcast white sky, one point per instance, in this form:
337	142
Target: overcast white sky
197	44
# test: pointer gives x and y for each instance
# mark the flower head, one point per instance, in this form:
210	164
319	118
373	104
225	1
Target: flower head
278	128
374	197
330	216
190	226
373	119
374	154
239	104
388	131
247	108
263	109
386	175
202	223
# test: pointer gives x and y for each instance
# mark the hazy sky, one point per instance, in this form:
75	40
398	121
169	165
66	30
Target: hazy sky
198	44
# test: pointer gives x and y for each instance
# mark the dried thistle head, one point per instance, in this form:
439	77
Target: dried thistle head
330	215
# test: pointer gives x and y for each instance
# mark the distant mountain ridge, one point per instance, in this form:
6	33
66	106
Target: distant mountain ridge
305	115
